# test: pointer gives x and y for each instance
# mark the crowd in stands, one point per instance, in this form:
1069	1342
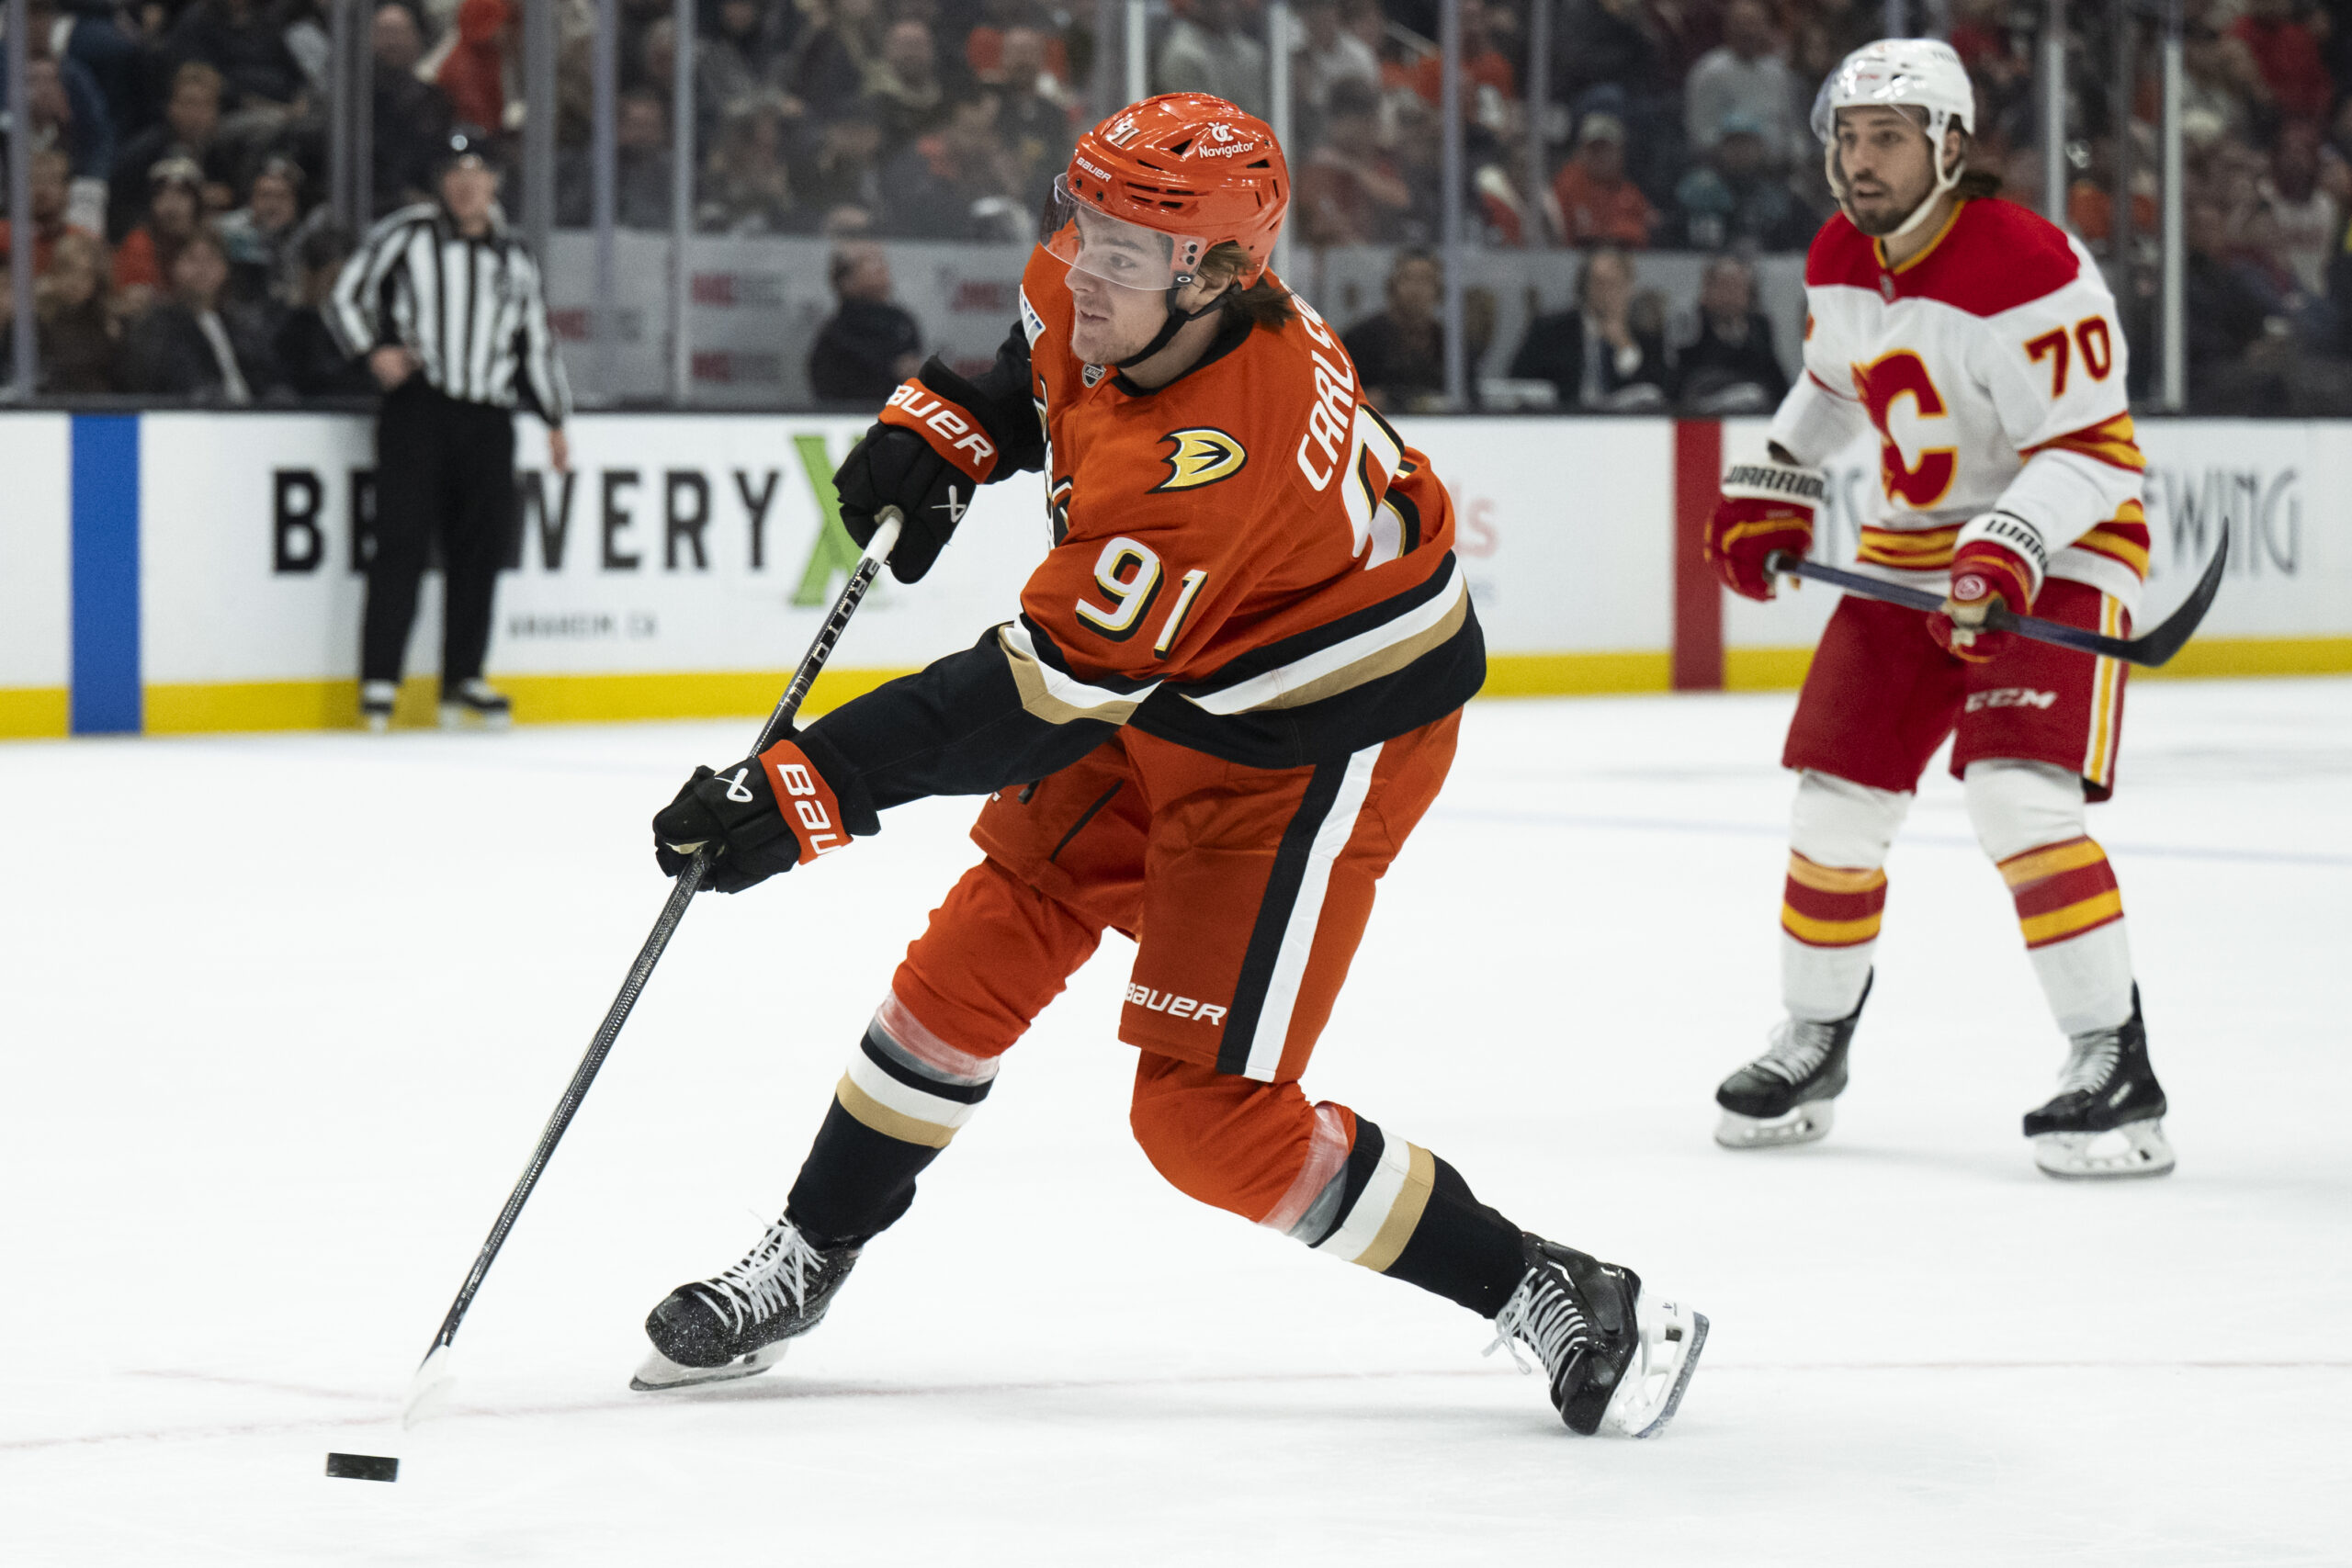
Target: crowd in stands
176	192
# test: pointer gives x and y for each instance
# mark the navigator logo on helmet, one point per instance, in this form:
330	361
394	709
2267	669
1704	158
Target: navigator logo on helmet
1900	72
1154	189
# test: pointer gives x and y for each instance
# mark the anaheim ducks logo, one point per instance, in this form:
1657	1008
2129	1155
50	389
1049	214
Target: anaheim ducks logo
1202	456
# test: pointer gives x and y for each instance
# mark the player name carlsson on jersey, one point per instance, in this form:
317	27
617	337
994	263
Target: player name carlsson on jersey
1991	367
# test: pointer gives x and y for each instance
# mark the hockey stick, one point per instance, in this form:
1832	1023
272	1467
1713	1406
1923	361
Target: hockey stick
2148	651
435	1373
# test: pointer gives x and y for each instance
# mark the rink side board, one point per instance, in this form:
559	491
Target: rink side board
187	571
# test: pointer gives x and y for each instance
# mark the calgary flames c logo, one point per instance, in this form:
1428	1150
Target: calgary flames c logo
1202	456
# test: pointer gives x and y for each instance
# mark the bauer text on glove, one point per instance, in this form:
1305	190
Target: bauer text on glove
928	455
755	819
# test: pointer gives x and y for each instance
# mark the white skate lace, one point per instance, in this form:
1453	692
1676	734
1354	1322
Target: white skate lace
777	1271
1546	1319
2092	1062
1797	1051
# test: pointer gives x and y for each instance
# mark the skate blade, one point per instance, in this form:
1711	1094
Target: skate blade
456	716
660	1373
1671	1339
2134	1149
1808	1123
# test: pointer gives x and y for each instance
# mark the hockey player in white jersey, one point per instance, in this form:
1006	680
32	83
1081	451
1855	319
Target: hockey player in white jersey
1981	344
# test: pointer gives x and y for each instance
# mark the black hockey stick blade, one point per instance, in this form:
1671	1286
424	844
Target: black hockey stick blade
2148	651
435	1373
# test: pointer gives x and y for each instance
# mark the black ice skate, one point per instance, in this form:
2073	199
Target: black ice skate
1783	1096
742	1323
2108	1118
376	699
475	704
1619	1358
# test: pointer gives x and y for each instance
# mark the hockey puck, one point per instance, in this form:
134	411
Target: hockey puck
363	1467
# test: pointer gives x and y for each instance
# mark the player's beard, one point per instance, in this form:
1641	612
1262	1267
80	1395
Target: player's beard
1888	211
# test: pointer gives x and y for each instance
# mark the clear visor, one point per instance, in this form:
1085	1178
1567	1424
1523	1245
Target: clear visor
1112	249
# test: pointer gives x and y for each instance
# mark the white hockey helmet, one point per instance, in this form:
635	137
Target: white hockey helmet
1899	72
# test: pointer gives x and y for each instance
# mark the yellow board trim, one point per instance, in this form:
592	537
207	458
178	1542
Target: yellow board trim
29	713
209	707
538	699
1573	674
2092	911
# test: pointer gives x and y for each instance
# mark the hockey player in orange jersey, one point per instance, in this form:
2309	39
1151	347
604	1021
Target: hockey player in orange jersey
1980	345
1231	691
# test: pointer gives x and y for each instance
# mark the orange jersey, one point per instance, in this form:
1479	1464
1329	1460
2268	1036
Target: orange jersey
1252	537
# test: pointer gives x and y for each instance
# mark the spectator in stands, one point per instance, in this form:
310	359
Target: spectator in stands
68	112
1206	51
907	95
1747	76
837	56
412	118
2307	216
2222	82
1734	198
1328	55
841	182
642	170
2287	56
47	191
245	41
1484	66
174	210
1349	192
1032	117
2225	316
260	237
189	129
746	185
473	74
869	344
1399	354
80	338
740	58
1604	354
1598	206
1731	367
958	183
184	346
310	362
1046	74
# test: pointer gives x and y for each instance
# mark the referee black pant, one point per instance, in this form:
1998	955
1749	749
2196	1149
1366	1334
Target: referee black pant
445	470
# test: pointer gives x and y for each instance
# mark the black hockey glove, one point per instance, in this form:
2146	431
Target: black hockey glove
927	456
894	467
752	836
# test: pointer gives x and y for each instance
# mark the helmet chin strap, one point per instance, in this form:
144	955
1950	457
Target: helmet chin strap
1945	179
1177	320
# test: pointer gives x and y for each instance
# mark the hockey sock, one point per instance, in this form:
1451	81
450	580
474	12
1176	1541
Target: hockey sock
1829	920
906	1093
1836	893
2071	914
1399	1210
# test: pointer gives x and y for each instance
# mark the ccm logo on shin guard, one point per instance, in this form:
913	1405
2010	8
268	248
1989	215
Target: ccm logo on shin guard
1174	1005
2010	697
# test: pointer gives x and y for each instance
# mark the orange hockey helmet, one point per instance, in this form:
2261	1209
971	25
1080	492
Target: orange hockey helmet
1189	167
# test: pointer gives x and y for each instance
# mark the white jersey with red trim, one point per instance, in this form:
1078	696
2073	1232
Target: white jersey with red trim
1992	367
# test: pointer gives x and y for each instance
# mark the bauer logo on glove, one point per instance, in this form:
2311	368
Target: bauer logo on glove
760	817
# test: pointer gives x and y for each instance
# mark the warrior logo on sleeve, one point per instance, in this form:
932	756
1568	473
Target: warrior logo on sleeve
1202	456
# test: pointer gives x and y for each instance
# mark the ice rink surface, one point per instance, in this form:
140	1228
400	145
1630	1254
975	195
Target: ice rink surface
285	1014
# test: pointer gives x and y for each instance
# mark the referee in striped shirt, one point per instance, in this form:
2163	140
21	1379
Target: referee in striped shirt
447	307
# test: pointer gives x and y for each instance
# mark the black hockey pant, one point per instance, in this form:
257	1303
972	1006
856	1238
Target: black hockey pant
445	469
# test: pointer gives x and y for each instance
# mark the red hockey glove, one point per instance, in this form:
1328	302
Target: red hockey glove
1983	573
763	816
1766	506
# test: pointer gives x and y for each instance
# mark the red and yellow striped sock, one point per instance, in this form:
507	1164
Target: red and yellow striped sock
1827	906
2062	890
